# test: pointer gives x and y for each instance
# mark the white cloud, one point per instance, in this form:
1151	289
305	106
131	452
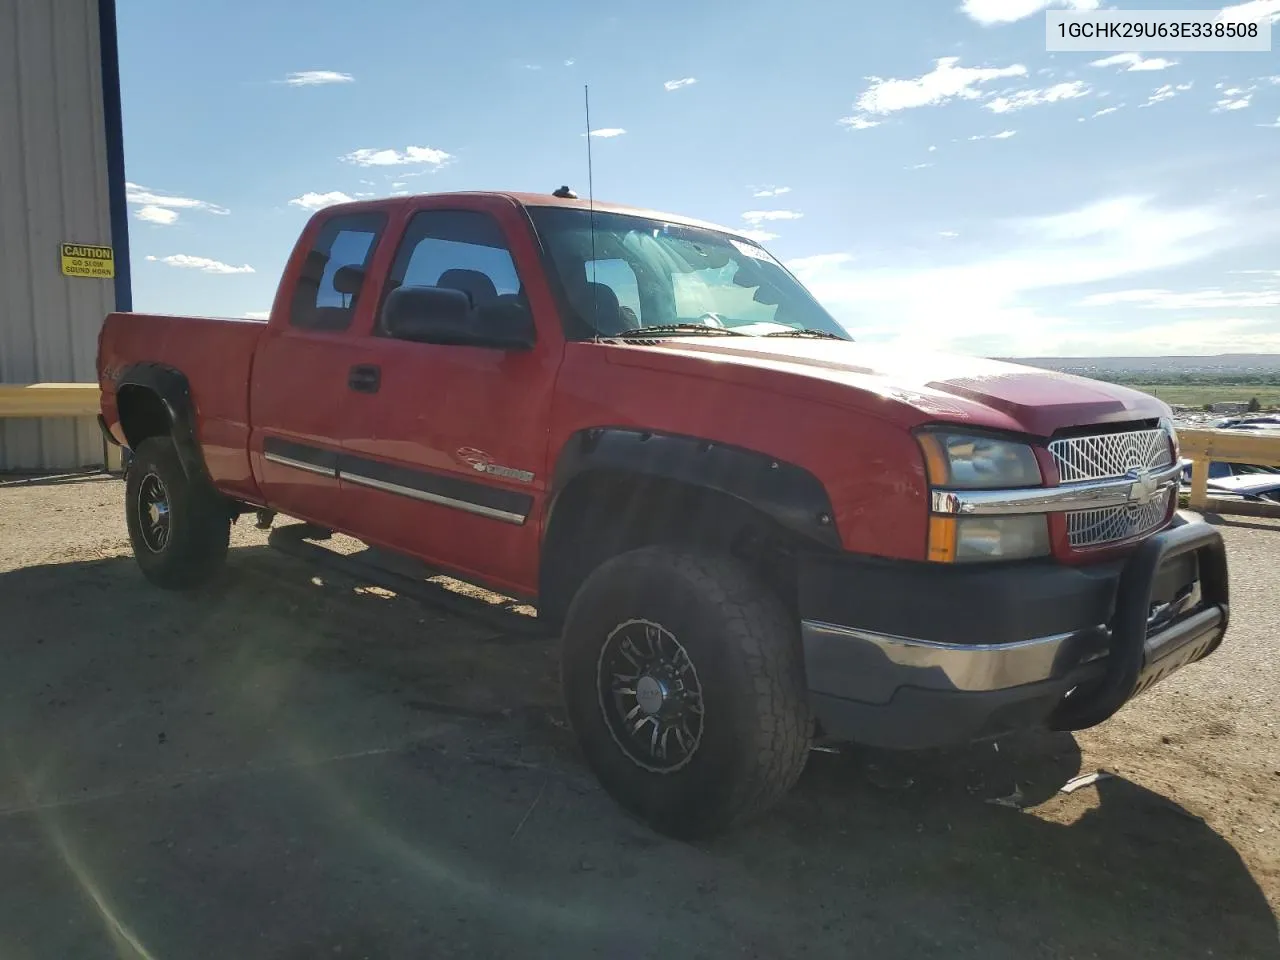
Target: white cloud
608	132
933	148
944	82
154	214
917	166
533	66
759	236
317	201
1106	110
1166	92
948	234
1134	62
257	314
988	12
677	84
1276	124
203	264
570	63
1007	301
1254	10
1002	135
315	78
757	217
371	157
1228	103
1070	90
860	123
770	191
1211	299
398	184
163	208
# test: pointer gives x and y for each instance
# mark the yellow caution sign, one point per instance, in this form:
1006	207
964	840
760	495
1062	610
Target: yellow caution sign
87	260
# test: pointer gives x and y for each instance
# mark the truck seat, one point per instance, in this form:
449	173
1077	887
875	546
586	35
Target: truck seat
478	287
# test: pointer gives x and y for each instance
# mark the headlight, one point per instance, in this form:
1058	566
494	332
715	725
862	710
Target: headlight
961	461
967	462
1002	538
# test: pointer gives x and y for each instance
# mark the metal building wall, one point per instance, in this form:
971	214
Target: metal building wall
54	189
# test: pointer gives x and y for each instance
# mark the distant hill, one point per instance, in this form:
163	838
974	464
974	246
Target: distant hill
1222	365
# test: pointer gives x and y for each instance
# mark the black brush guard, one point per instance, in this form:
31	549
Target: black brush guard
1138	657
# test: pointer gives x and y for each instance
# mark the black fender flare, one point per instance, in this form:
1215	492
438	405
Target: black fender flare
789	494
174	390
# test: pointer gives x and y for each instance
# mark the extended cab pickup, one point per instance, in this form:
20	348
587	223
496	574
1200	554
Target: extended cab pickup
748	529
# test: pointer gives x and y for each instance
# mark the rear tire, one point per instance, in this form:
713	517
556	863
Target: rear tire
179	528
683	680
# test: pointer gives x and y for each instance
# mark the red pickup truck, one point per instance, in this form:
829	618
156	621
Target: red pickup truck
749	529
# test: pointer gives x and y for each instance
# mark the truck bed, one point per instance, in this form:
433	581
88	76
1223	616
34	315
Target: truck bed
216	356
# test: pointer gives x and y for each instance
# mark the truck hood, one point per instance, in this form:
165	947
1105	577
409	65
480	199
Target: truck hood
919	386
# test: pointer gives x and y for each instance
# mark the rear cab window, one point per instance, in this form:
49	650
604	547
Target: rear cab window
328	288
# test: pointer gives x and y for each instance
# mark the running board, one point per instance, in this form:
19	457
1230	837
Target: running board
406	577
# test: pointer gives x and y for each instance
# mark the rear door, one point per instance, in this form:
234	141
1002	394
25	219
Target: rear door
303	369
446	459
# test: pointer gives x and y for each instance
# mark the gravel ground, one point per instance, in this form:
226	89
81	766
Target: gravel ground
294	764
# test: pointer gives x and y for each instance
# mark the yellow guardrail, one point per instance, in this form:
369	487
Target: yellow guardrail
48	399
55	400
1260	447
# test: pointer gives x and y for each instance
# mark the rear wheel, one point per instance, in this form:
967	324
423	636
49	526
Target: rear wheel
683	681
179	528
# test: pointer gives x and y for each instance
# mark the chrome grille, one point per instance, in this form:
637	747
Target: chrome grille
1089	528
1107	455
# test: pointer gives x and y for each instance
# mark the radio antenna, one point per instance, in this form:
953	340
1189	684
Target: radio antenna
591	216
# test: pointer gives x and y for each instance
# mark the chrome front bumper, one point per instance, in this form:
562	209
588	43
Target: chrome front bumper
876	665
888	690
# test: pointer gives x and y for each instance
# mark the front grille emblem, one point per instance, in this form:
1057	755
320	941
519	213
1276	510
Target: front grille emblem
1144	487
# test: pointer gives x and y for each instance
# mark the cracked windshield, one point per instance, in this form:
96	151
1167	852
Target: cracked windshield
701	480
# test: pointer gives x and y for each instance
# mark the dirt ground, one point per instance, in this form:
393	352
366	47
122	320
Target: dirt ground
295	765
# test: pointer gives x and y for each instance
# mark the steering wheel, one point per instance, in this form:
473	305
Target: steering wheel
711	320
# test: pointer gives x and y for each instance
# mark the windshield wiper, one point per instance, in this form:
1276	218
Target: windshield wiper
666	329
805	332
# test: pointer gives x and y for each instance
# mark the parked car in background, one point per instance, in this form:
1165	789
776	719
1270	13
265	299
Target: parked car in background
1265	421
1251	481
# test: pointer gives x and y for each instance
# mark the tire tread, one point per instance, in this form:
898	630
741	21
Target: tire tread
764	658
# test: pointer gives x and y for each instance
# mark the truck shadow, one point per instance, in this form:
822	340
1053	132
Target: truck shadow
1114	869
886	854
1220	520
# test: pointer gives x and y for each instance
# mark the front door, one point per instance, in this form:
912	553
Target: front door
447	459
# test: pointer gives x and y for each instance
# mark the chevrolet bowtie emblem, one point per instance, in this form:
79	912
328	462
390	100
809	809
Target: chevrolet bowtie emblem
1144	487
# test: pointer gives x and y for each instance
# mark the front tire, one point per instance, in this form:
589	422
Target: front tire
683	680
179	528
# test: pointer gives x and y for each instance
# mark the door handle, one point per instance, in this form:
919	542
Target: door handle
364	378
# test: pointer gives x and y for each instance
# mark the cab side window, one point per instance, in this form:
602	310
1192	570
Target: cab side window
461	250
333	273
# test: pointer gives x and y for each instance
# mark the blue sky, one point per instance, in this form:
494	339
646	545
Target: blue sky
935	177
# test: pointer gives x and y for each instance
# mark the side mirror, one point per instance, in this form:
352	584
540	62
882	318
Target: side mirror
445	316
